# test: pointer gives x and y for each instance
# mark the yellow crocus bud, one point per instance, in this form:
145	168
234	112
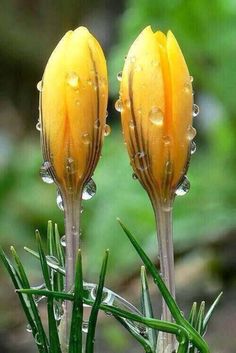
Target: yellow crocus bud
156	105
73	109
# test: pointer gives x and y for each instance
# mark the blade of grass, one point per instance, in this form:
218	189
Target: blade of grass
75	342
42	339
200	317
147	306
52	324
95	308
60	257
196	339
193	315
210	312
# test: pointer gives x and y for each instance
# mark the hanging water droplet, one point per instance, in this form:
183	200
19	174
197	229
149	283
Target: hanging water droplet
59	201
37	339
193	147
28	328
73	80
195	110
191	133
132	124
89	190
45	173
119	105
85	138
38	126
85	326
97	124
58	310
119	76
134	176
140	160
156	116
52	262
63	241
107	130
191	78
166	139
40	86
184	187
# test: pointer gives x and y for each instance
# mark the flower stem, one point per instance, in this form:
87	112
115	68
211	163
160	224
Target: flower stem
72	208
166	251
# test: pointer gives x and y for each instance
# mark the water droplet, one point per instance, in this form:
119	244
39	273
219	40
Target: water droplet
168	167
28	328
38	126
85	138
59	201
156	116
89	190
119	76
40	86
127	103
166	139
119	105
63	241
132	124
106	114
191	78
140	160
184	187
188	87
72	79
85	326
191	132
58	310
134	176
97	124
195	110
37	339
107	130
45	173
193	147
52	262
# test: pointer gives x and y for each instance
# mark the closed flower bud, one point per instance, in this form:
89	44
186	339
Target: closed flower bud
156	108
73	109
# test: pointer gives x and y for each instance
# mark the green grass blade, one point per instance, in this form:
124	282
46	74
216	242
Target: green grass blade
52	324
147	306
210	312
193	315
200	317
75	342
145	343
172	305
60	251
51	244
95	309
42	338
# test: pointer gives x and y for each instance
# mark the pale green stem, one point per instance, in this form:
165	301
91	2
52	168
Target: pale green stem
72	208
166	251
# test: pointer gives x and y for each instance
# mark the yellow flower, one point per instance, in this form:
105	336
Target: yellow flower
73	109
156	106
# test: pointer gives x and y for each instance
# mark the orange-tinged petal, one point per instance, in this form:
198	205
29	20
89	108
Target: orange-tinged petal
156	100
74	102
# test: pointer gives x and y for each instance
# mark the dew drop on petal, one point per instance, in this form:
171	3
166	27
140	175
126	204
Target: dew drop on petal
38	126
193	147
140	160
119	76
40	86
132	124
45	173
195	110
85	138
184	187
191	78
191	133
166	139
107	130
89	190
119	105
59	201
156	116
72	79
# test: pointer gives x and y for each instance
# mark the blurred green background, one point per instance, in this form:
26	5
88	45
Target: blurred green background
204	220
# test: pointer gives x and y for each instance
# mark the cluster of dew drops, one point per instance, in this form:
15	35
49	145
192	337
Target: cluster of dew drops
156	117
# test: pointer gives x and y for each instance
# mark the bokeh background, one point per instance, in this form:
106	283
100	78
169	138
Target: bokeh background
204	220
